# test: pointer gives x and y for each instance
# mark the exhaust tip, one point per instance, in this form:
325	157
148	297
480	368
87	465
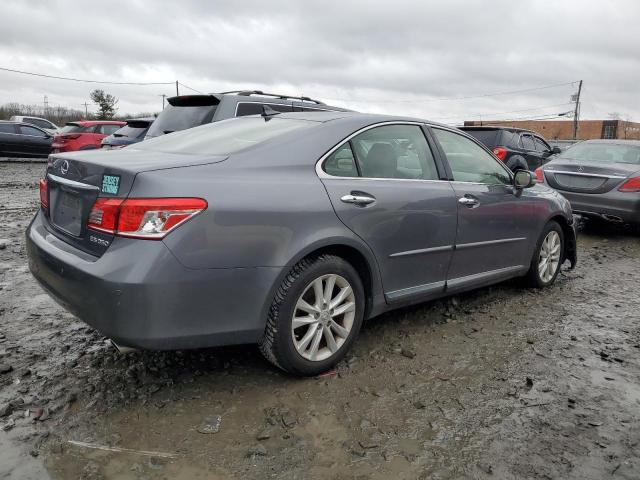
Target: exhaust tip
122	349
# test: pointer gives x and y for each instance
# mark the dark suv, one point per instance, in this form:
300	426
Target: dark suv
188	111
519	149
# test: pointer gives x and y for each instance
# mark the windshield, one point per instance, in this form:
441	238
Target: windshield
176	118
225	137
131	132
603	153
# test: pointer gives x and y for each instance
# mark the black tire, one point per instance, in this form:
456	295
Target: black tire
533	277
516	162
277	342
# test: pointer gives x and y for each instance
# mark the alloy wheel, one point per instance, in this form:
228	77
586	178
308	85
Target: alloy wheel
549	259
323	317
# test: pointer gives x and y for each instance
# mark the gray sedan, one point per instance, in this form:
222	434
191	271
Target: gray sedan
601	179
287	230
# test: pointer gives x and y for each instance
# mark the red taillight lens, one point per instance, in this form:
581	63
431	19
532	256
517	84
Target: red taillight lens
500	152
631	185
150	218
539	175
44	194
104	215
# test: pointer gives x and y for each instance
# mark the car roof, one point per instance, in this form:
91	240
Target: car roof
498	127
89	123
142	119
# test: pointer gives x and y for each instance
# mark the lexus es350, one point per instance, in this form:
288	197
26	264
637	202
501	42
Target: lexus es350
287	230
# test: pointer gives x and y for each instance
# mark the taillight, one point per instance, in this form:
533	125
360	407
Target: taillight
500	152
44	194
150	218
539	175
631	185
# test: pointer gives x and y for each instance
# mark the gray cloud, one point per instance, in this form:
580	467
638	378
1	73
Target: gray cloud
366	55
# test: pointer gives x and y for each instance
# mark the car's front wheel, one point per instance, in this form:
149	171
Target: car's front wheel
548	256
315	316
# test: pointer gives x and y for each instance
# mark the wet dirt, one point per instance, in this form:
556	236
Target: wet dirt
502	382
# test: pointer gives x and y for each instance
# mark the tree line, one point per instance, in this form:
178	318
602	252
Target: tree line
105	103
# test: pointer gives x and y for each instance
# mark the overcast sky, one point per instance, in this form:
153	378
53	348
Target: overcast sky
403	57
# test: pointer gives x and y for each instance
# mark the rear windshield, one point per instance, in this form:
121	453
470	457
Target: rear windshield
603	153
176	118
487	137
73	128
130	132
225	137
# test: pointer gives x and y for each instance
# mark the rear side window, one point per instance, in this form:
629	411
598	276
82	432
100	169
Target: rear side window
527	142
541	145
225	137
469	162
390	151
38	122
107	129
34	132
255	108
7	128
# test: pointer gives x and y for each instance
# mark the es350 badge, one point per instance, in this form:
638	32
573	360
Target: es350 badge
110	184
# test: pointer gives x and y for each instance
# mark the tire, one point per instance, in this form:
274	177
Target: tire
551	238
292	349
516	162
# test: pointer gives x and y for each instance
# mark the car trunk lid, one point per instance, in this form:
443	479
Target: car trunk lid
584	177
76	180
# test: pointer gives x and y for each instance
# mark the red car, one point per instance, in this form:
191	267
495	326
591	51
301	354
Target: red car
83	135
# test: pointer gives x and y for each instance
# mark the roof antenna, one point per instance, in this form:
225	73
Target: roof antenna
268	112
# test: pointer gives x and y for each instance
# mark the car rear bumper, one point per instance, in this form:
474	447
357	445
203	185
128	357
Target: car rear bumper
614	206
139	295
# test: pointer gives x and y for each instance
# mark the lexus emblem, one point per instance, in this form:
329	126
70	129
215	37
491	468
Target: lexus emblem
581	169
64	168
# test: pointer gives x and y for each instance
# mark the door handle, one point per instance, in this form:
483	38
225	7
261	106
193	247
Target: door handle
469	201
358	199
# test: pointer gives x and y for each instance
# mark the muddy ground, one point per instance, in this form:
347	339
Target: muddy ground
502	382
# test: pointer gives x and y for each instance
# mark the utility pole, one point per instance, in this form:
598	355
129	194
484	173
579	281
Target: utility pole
163	97
177	91
576	113
86	110
46	105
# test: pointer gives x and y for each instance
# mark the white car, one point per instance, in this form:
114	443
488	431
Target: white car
43	123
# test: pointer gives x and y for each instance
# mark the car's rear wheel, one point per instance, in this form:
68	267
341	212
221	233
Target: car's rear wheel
548	256
315	316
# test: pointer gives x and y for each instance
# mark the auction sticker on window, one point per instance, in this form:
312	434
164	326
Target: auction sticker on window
110	184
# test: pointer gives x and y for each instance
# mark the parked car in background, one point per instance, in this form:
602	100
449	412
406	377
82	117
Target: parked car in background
601	179
49	127
188	111
133	132
84	135
287	230
517	148
23	140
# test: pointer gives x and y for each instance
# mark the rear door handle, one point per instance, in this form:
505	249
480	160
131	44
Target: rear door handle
469	201
359	199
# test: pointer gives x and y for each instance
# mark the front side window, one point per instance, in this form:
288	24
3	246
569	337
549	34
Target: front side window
469	162
389	151
541	145
38	122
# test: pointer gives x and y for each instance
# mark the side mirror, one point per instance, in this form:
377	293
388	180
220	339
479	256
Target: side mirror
555	150
524	179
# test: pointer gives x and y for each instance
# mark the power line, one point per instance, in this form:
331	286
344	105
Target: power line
187	86
484	95
83	80
538	117
502	113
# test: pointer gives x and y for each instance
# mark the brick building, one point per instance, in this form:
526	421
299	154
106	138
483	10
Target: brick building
563	129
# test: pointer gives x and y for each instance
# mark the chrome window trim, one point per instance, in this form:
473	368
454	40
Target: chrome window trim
324	175
582	174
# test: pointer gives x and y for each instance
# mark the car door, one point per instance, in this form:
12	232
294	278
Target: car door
34	141
385	185
8	138
495	222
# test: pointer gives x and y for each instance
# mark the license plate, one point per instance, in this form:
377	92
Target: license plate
67	212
